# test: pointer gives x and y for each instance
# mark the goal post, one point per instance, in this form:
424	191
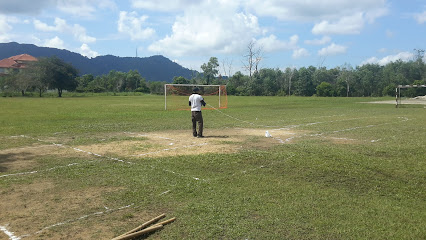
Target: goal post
176	96
398	97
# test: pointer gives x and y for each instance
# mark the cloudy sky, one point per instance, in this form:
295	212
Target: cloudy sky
290	33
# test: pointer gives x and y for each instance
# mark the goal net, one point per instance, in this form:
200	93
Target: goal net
410	94
176	96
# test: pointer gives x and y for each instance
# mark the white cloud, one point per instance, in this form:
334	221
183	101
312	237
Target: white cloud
421	17
84	8
332	49
322	41
55	42
86	51
6	28
310	10
346	25
131	24
164	5
300	52
372	60
79	8
202	31
403	56
271	43
61	26
390	34
182	5
39	25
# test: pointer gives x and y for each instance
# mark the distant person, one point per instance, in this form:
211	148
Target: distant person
195	101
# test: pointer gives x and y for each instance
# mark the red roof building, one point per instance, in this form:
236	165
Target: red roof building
15	62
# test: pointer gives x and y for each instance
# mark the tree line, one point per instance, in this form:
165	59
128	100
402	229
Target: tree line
370	80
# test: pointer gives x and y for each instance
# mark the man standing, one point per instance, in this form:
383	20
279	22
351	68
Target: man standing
195	101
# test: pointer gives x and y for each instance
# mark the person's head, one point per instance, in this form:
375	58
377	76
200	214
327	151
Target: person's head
195	90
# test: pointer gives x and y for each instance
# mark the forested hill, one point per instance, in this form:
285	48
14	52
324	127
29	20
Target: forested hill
154	68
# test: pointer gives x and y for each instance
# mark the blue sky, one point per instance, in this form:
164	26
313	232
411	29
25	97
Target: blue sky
288	33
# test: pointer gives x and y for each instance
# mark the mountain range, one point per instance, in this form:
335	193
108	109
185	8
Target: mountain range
154	68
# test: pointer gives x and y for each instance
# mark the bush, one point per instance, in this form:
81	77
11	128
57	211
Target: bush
143	89
325	89
389	90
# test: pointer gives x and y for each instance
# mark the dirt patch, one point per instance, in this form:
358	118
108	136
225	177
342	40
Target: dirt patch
40	207
179	142
141	145
24	158
416	100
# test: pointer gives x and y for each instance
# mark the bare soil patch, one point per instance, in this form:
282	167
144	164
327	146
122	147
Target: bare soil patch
39	208
180	142
421	100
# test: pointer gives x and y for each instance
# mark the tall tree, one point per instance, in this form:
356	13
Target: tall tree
210	69
57	74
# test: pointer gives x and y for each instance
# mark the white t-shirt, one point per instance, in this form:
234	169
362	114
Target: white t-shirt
195	100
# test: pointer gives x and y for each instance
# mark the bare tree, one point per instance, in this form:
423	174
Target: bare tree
227	67
290	76
252	58
346	75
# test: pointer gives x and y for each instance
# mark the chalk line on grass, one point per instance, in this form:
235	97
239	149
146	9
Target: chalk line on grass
10	234
182	175
401	119
101	156
38	171
109	210
77	149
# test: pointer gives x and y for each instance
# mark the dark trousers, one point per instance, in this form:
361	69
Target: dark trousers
197	117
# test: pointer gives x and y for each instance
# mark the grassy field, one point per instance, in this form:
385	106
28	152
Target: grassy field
95	167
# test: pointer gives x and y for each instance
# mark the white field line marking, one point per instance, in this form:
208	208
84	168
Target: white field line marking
253	169
108	210
402	119
45	170
286	127
182	175
237	119
98	155
315	123
76	149
298	119
164	192
77	219
9	233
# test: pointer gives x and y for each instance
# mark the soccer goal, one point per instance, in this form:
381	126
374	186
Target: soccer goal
176	96
414	94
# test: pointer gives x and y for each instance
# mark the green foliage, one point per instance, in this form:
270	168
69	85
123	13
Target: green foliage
368	80
180	80
389	90
325	89
156	87
210	70
56	74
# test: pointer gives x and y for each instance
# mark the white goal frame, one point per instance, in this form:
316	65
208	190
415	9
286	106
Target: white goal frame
398	92
189	85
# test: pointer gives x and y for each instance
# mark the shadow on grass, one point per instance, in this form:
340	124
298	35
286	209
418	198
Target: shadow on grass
216	136
11	157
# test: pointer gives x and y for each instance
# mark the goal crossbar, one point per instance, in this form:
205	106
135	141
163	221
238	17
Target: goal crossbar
398	92
219	87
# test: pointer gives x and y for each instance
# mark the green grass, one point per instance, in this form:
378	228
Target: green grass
370	187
